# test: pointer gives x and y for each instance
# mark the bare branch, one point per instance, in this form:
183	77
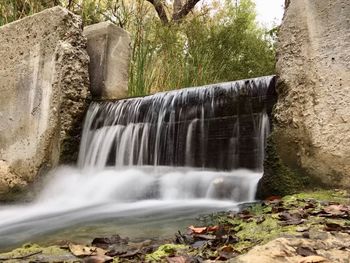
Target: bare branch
177	6
159	7
187	7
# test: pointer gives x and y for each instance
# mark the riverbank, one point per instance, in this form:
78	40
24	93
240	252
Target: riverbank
302	228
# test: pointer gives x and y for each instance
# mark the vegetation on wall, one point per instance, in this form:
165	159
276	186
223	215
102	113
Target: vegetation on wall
175	43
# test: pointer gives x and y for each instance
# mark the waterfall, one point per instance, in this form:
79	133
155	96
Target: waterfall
221	126
170	154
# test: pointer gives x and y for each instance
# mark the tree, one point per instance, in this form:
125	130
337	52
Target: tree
177	45
223	43
179	10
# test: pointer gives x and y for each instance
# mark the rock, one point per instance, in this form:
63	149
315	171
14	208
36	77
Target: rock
9	182
84	251
312	117
44	87
36	253
109	49
330	249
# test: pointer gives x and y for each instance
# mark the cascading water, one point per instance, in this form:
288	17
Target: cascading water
165	156
221	126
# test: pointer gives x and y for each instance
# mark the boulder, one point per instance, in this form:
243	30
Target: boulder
109	49
311	138
44	87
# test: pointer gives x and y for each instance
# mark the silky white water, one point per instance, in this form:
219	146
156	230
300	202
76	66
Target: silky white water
221	126
71	196
151	162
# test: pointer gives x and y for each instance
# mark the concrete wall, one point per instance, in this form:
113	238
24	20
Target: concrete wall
312	116
109	49
43	85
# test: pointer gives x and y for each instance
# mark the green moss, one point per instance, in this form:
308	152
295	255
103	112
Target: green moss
279	179
243	246
320	195
28	249
164	251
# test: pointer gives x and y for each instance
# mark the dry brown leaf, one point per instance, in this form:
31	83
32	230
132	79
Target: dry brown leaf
302	228
314	259
180	259
273	198
98	259
336	210
83	251
306	251
212	228
197	230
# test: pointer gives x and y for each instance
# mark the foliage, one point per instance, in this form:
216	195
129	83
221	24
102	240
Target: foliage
92	11
213	43
11	10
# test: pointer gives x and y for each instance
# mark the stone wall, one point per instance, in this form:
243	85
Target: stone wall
109	49
43	85
312	117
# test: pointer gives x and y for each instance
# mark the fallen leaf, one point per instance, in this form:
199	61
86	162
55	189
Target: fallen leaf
83	251
206	237
273	197
314	259
333	227
260	219
116	252
290	219
302	228
232	239
306	251
197	230
199	244
336	227
245	214
227	249
180	259
98	259
105	242
306	235
336	210
309	205
212	228
130	254
223	255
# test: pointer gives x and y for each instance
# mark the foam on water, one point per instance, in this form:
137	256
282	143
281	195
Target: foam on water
71	196
174	154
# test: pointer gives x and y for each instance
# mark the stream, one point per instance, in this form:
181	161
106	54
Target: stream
138	202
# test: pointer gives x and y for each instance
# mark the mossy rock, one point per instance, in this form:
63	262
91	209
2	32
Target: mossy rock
164	251
280	179
36	253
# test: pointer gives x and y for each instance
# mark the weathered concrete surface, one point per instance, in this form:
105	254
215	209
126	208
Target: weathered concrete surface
109	50
312	116
43	85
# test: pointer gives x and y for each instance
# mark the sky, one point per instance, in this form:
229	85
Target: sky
270	12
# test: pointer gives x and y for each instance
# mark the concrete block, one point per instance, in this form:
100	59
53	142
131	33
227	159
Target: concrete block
109	49
44	86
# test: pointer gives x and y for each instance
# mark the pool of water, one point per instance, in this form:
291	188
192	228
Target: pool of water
138	203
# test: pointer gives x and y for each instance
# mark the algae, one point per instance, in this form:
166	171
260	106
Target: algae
33	251
164	251
232	234
279	179
261	223
340	196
